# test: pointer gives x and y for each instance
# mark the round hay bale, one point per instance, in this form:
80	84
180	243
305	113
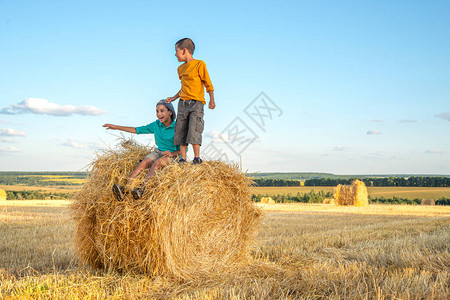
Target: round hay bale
427	202
192	221
2	195
354	194
267	200
328	201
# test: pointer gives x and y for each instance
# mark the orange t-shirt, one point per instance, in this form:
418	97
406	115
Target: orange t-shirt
194	77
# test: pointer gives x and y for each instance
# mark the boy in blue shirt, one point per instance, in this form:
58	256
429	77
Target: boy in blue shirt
164	131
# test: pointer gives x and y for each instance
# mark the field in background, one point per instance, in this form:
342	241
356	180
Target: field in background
72	182
302	251
386	192
46	189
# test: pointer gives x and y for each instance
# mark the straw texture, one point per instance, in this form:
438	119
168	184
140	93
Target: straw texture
2	194
354	194
192	221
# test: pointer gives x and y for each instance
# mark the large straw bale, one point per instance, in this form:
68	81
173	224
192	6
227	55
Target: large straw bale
354	194
2	195
192	221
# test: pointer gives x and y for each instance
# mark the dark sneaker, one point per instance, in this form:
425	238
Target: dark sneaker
181	161
197	160
137	193
119	191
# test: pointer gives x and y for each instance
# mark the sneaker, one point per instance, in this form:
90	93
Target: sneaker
137	193
181	161
119	191
197	160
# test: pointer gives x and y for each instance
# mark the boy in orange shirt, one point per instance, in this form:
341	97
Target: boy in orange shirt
194	79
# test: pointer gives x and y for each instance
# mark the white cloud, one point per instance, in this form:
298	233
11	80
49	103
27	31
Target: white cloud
218	137
434	151
11	132
445	116
42	106
7	140
377	121
73	144
372	132
408	121
4	122
9	149
340	148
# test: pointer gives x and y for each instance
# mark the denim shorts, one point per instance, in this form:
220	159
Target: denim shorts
190	124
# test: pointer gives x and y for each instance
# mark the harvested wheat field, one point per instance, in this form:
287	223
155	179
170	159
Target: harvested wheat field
302	251
191	222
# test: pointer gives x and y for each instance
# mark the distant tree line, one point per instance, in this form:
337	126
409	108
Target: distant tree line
275	182
34	195
12	178
399	200
320	196
311	197
385	181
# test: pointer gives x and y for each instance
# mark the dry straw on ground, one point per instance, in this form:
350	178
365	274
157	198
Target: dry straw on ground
192	221
354	194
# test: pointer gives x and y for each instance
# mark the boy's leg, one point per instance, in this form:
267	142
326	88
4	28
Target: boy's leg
183	149
158	164
196	148
144	164
181	127
196	126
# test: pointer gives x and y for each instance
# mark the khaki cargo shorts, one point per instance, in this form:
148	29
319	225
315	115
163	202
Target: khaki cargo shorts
189	126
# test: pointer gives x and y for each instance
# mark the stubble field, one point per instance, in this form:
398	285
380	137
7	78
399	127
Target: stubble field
303	251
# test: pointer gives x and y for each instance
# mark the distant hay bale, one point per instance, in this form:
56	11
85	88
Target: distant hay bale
192	221
328	201
2	195
427	202
354	194
267	200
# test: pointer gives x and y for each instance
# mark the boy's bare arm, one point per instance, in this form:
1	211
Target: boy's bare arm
212	103
123	128
170	99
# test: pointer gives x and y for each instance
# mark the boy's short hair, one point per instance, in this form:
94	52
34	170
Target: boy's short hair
186	43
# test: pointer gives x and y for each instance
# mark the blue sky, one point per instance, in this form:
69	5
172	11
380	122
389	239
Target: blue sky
361	87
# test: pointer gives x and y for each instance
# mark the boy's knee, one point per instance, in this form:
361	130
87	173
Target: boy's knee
160	163
147	162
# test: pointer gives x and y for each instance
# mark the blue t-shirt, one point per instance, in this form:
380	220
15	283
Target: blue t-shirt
163	135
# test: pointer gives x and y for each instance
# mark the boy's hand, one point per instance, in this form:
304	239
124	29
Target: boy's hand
169	99
212	104
167	154
110	126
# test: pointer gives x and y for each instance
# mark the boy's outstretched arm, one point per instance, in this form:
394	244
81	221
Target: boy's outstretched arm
170	99
123	128
212	103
